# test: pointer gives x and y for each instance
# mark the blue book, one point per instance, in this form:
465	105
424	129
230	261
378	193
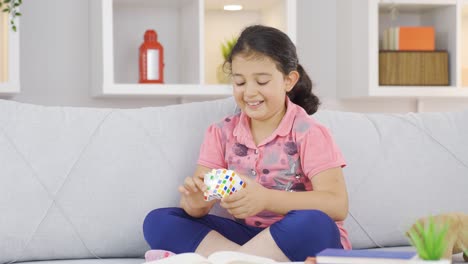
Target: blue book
341	256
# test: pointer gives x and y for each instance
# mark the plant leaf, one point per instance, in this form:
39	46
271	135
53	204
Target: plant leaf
440	241
418	243
429	234
227	46
429	239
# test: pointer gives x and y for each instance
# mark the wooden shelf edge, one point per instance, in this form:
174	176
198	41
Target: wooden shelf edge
9	89
418	91
419	2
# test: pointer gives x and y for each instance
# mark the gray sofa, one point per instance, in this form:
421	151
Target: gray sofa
76	183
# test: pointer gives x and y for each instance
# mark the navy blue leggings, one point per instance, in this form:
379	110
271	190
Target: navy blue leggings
301	233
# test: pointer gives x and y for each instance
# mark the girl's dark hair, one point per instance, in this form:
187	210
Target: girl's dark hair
255	40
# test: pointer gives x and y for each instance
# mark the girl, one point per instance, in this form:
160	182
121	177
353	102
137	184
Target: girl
295	199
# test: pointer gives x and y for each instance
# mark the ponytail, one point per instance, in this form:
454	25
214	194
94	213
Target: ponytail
302	94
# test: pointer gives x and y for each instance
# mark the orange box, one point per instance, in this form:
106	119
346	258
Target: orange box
416	38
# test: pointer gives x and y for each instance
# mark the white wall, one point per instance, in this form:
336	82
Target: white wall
55	60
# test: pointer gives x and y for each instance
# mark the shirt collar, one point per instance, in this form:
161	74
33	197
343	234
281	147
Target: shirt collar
244	136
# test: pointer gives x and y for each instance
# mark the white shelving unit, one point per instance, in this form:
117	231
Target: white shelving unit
360	29
191	33
9	57
464	44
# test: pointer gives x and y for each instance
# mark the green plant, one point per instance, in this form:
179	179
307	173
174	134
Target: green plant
465	250
11	7
429	240
226	47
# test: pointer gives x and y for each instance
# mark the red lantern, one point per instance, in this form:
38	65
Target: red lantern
151	59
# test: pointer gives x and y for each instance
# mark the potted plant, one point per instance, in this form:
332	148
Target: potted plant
226	48
11	7
430	241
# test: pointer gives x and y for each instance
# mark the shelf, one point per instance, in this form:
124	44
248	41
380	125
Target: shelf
190	32
417	4
360	28
9	57
418	91
174	23
167	91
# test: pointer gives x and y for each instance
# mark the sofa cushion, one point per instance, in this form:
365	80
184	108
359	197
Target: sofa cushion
400	167
78	182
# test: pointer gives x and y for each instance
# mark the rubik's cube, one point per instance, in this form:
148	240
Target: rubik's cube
221	183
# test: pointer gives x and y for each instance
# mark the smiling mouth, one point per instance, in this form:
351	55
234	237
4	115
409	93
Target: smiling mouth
254	103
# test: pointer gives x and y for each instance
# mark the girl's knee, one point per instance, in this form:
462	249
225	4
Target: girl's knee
160	215
158	222
307	217
303	233
316	222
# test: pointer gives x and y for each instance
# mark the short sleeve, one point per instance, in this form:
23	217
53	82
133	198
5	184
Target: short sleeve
212	149
319	151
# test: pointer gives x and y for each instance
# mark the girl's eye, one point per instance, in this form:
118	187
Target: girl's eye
240	84
262	83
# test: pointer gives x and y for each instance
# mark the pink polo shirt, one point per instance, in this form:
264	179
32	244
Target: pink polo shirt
298	149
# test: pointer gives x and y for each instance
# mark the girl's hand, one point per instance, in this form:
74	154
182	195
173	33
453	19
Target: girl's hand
192	191
248	201
192	185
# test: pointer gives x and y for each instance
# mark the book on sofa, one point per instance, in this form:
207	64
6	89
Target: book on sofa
341	256
221	257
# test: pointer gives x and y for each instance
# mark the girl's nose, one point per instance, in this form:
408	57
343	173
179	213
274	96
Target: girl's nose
250	89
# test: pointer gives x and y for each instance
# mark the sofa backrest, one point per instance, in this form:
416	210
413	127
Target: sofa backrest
400	167
78	182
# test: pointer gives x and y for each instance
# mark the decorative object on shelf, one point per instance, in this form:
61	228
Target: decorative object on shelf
151	59
409	38
226	49
393	11
11	7
418	68
438	237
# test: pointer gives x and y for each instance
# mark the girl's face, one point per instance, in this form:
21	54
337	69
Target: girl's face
260	88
